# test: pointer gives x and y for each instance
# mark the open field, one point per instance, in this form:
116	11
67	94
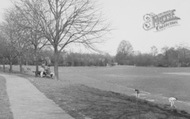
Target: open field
162	82
78	91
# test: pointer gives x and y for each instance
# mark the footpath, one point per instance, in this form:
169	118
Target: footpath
27	102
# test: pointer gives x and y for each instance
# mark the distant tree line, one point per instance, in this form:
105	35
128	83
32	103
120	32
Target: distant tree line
178	56
66	59
78	59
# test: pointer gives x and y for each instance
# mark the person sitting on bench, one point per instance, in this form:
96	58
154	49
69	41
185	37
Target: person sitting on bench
42	70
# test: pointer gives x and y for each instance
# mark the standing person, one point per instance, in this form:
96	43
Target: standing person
172	100
137	93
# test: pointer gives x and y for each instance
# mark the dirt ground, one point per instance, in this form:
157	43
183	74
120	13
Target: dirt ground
83	102
5	112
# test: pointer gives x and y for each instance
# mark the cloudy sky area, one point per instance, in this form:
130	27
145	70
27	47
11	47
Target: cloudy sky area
126	17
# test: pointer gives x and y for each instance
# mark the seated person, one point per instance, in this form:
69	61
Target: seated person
47	69
42	70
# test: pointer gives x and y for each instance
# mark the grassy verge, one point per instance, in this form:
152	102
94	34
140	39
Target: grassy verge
5	112
81	102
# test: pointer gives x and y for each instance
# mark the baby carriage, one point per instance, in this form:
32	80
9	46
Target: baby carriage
46	73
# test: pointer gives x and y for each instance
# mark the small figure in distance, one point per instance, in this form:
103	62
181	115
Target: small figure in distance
172	101
137	91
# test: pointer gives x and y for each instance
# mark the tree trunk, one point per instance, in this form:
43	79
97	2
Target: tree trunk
56	61
11	66
21	70
56	52
36	61
4	64
20	63
36	74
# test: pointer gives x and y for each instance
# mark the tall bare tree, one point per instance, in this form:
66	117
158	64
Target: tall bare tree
16	35
29	9
65	22
6	51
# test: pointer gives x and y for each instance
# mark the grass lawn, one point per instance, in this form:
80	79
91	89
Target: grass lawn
160	81
73	94
155	80
5	112
81	102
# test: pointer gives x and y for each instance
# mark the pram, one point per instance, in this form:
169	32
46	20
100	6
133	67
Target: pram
45	73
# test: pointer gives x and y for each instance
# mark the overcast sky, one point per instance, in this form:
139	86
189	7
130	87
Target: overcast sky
4	4
126	17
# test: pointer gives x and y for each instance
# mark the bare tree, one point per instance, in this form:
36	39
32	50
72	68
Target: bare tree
8	49
5	51
65	22
16	35
29	9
